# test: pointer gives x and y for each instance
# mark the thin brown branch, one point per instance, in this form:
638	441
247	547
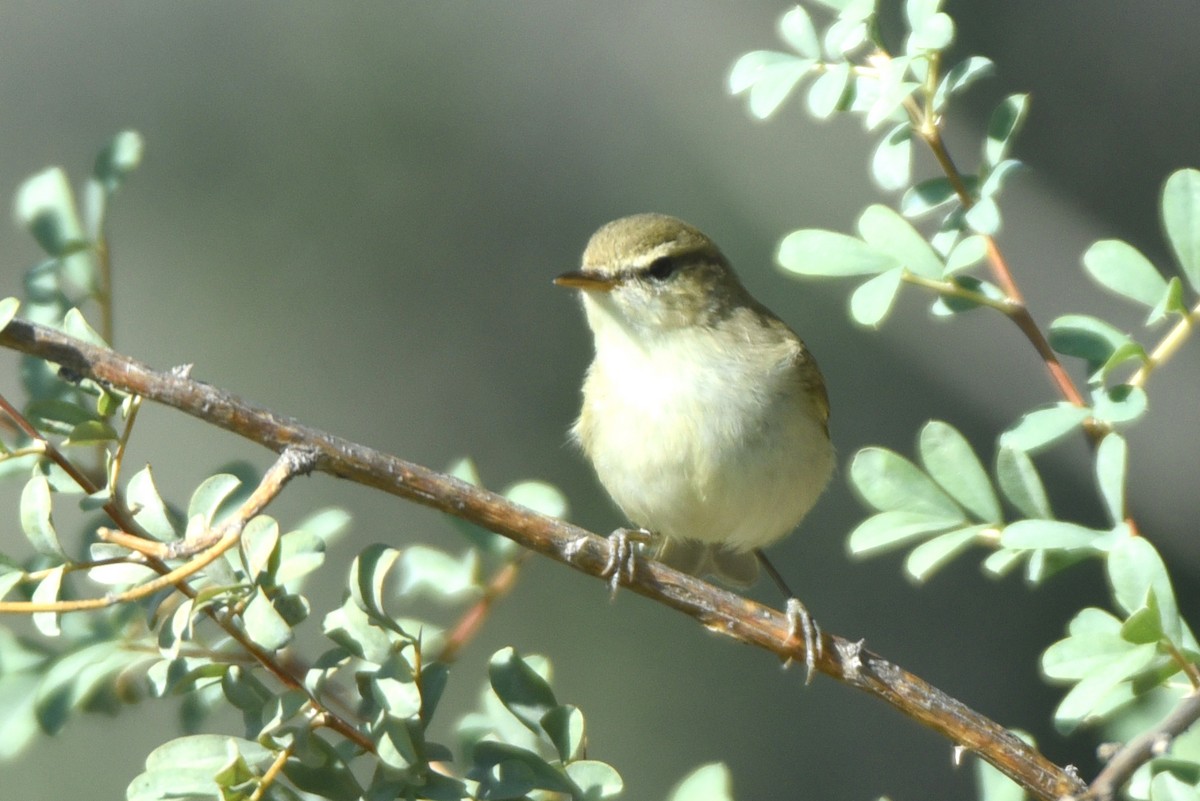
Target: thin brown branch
51	452
926	127
473	619
1141	750
717	609
120	515
211	544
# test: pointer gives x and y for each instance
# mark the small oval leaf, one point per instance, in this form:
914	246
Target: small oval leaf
952	463
1181	218
816	252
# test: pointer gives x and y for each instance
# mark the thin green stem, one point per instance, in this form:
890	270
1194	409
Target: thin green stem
114	470
1167	347
951	289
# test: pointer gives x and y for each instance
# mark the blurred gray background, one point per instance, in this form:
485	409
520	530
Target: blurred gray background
351	213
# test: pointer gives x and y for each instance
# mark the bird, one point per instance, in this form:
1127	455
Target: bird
704	415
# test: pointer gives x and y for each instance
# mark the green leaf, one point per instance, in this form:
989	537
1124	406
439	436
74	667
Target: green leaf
891	164
149	509
851	10
887	481
1002	560
770	76
1168	787
888	530
507	771
926	196
967	253
1181	218
952	463
933	33
1134	570
992	785
327	524
1111	462
1102	691
1121	268
984	217
18	724
539	496
395	689
1145	625
1093	641
813	251
1041	427
891	90
996	178
8	310
166	784
1005	121
91	432
1129	352
953	304
827	91
397	746
959	77
520	688
368	574
1120	404
36	520
934	554
797	30
1022	486
1087	338
848	33
79	676
56	416
46	592
259	546
351	628
596	779
45	205
116	161
1171	302
300	553
887	232
120	573
76	326
438	574
210	495
265	625
564	726
207	752
321	770
10	576
1056	534
871	303
710	782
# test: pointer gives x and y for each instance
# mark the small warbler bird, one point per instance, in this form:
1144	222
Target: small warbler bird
704	415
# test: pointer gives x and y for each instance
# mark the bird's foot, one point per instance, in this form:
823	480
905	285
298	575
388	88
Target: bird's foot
802	626
622	555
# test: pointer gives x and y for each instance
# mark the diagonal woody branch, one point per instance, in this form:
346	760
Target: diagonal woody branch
718	610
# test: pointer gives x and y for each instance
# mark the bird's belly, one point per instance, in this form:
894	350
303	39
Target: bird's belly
701	458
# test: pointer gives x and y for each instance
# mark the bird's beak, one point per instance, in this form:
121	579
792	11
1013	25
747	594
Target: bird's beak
589	282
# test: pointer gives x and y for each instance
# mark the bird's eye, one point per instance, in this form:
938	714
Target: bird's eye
661	268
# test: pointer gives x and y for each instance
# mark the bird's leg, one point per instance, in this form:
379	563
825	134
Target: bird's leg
801	624
622	555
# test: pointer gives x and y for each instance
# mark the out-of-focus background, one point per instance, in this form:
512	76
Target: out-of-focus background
352	213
